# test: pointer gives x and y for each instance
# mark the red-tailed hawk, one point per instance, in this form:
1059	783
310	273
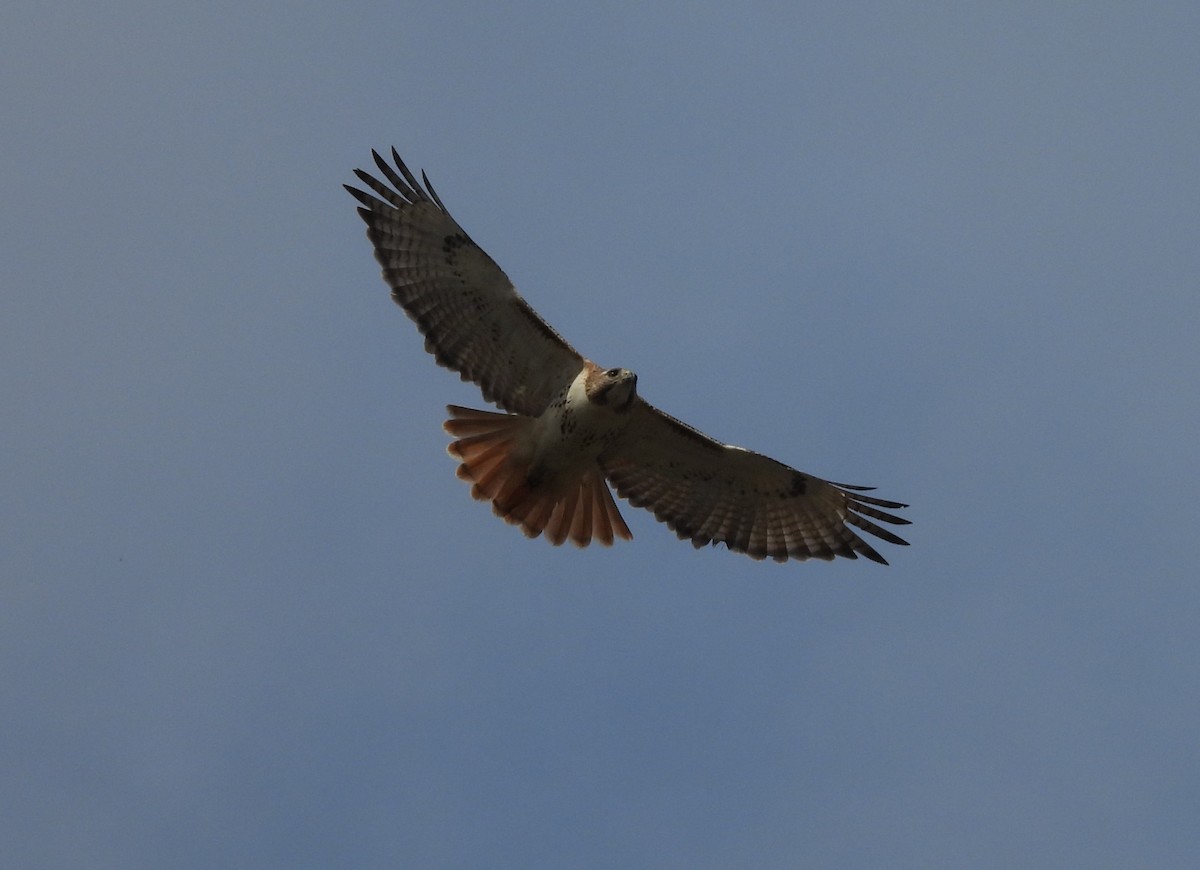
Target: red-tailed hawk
573	424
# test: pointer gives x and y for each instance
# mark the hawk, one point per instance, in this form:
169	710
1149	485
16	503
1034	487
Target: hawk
571	427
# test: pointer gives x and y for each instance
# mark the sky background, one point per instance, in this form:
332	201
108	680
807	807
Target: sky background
249	617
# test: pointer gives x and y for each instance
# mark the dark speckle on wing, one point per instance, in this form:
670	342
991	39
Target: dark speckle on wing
451	244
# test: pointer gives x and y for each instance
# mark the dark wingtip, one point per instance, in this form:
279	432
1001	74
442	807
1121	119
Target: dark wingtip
433	193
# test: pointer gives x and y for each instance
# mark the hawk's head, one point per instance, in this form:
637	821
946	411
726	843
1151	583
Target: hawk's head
612	388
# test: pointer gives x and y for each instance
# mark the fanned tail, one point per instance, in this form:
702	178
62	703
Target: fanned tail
487	447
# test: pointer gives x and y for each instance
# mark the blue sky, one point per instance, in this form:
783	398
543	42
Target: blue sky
249	617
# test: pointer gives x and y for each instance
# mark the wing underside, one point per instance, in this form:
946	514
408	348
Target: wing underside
471	315
709	492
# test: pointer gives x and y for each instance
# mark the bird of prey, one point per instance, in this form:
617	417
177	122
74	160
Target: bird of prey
570	425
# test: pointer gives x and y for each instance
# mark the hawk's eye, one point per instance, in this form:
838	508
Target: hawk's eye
613	373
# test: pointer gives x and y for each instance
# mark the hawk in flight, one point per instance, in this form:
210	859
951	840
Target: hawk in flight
571	425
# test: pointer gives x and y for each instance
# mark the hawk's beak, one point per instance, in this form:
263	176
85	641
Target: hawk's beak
629	385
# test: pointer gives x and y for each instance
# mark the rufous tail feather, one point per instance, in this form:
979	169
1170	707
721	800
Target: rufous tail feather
486	447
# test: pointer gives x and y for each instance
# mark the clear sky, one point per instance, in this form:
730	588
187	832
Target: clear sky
249	617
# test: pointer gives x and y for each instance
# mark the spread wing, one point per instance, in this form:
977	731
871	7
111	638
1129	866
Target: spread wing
711	492
472	317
